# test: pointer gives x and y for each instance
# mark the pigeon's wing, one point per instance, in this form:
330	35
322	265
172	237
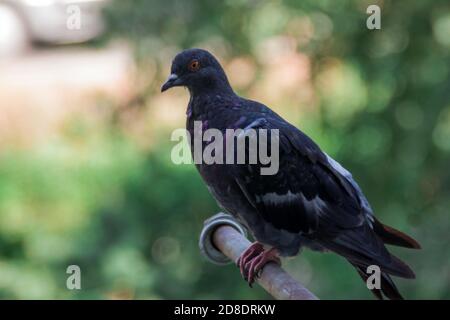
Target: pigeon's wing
313	195
306	194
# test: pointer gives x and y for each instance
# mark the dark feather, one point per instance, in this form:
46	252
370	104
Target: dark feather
387	286
394	237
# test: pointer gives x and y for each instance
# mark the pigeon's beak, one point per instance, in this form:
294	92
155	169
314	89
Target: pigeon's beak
172	81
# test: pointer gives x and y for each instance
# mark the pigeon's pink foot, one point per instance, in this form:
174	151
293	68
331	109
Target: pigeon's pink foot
253	260
251	252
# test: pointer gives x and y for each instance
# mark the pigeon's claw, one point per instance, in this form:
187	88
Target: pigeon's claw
255	266
253	260
251	252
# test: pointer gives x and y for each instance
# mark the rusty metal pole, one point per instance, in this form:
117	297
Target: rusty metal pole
223	240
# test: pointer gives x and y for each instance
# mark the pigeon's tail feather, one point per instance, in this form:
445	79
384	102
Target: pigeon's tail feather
364	248
387	286
400	269
388	264
394	237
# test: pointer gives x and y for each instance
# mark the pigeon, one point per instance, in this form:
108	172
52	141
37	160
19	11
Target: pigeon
312	201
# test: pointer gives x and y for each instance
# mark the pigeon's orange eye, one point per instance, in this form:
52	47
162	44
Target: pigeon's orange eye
194	65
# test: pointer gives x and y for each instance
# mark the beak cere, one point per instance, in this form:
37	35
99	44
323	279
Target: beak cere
171	82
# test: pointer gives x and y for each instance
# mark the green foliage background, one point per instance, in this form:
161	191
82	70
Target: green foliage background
130	218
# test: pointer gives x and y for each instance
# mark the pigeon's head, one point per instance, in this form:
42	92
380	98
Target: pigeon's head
198	70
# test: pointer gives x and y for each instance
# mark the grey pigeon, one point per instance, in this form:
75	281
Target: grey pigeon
312	201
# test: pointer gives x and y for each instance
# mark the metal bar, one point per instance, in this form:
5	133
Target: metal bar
273	278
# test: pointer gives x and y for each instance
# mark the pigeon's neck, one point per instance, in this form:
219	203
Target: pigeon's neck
217	85
209	92
202	102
